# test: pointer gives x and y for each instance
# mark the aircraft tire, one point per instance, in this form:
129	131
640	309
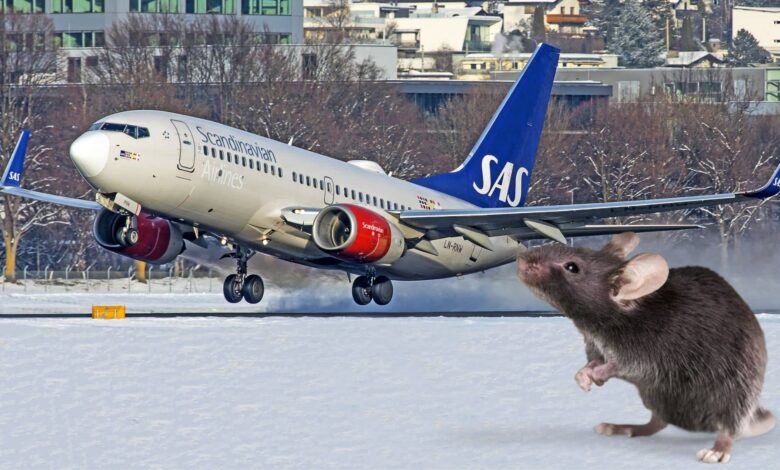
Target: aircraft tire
382	290
253	289
232	290
361	291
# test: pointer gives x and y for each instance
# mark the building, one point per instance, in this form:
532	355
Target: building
482	66
762	23
82	23
691	59
413	27
759	84
563	16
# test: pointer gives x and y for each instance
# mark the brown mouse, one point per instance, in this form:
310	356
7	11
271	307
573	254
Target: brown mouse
682	336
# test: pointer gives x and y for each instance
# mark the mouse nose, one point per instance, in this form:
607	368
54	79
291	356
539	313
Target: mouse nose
89	153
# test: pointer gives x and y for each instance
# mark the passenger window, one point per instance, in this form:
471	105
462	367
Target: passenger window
280	172
221	156
330	188
322	186
205	151
273	170
360	195
395	205
338	190
374	199
353	194
382	203
251	164
243	161
143	132
214	153
235	160
265	168
308	181
295	177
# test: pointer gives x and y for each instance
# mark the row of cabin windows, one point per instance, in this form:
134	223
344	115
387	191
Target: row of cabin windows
243	161
348	193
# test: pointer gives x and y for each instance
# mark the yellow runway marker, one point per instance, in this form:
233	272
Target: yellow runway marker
108	312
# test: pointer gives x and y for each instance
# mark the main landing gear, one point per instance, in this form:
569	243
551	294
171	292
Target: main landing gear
240	286
376	288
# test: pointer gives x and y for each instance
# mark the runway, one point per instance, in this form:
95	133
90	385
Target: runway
341	393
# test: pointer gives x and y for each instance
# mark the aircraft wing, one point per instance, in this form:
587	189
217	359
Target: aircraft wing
557	222
13	175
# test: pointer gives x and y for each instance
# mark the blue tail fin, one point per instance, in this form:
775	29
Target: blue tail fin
13	171
497	172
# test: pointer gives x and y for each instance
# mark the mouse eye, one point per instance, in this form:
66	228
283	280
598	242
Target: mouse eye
571	267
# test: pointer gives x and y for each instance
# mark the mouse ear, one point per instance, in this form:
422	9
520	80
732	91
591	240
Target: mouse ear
643	275
622	244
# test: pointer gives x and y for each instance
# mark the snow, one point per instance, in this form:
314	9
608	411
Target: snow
434	393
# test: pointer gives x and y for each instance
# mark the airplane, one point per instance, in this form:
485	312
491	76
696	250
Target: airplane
165	180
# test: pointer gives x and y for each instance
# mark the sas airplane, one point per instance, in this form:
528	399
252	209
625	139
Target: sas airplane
163	178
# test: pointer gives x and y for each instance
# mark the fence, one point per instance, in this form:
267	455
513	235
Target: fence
114	280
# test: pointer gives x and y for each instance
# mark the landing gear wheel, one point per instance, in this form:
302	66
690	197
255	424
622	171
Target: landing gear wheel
232	289
361	290
382	290
253	289
131	236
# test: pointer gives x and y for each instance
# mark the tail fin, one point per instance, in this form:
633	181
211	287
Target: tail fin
497	172
13	171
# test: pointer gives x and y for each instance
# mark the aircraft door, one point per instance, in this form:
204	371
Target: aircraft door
186	146
328	190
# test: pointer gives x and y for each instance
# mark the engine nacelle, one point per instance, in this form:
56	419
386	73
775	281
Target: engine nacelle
148	238
357	234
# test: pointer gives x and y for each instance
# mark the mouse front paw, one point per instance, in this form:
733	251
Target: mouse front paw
713	456
583	378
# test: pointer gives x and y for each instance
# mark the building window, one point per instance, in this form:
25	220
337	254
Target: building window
74	69
24	6
154	6
274	38
265	7
72	39
221	7
309	66
77	6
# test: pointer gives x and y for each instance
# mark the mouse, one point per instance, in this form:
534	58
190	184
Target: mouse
683	337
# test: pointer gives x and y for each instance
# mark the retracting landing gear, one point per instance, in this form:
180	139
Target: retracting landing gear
371	287
240	286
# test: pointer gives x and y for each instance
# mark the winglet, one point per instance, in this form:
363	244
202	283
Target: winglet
770	189
13	171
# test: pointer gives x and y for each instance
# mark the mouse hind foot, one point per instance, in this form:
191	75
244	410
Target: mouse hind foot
631	430
720	452
761	422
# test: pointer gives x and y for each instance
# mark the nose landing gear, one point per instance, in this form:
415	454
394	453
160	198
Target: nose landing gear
240	286
371	287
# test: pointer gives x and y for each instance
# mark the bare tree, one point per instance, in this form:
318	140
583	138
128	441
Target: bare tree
28	61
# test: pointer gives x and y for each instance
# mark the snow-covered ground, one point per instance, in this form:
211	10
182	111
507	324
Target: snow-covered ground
435	393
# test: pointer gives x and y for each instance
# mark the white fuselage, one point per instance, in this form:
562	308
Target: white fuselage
181	171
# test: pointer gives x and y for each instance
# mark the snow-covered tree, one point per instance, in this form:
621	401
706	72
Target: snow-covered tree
635	39
601	14
745	50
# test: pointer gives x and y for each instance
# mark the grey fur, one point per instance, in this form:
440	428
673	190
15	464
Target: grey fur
693	348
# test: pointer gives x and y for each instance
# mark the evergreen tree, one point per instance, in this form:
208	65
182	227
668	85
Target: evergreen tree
601	14
635	40
745	51
538	32
687	41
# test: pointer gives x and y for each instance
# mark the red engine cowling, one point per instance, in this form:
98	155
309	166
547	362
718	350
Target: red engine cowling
148	238
357	234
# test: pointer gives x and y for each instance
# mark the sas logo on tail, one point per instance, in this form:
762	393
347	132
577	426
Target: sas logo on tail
509	178
14	176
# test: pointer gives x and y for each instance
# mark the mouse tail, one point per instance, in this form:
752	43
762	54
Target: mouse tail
760	423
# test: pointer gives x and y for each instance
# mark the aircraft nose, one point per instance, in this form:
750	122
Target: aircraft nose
89	153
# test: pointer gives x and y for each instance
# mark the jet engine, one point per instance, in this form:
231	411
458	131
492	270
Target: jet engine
146	238
357	234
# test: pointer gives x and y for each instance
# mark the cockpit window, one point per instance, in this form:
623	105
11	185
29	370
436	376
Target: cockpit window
95	126
135	132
